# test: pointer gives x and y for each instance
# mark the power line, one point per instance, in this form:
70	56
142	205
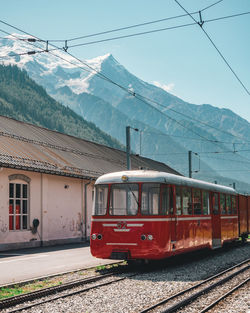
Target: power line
136	95
220	170
223	159
134	26
192	118
211	5
123	28
131	35
139	97
125	89
209	38
151	31
201	152
190	138
66	47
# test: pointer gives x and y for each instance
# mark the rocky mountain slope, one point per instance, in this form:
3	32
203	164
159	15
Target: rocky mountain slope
21	98
169	127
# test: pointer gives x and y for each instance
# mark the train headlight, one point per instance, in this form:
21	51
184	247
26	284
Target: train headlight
99	236
150	237
143	237
93	237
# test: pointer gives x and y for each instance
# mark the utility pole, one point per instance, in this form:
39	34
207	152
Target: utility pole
128	147
190	163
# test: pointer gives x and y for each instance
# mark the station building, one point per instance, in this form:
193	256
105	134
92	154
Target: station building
47	183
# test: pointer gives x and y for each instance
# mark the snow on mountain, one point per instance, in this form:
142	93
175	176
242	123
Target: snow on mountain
52	70
79	86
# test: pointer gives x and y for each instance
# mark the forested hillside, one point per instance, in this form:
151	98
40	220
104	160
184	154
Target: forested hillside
22	99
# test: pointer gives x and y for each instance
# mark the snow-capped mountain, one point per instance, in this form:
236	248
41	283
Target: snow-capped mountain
166	133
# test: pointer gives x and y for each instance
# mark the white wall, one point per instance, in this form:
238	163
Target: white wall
59	204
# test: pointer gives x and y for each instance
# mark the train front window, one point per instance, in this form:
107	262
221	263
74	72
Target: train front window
101	199
150	199
124	199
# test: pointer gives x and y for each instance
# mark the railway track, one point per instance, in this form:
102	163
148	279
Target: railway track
58	291
172	304
192	295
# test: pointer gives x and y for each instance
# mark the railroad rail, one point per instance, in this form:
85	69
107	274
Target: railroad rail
178	301
62	291
224	296
13	301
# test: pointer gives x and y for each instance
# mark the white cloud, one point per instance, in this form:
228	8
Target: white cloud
167	88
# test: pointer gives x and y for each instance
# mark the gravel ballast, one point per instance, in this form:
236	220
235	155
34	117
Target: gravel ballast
138	292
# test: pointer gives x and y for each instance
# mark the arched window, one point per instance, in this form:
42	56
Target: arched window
18	202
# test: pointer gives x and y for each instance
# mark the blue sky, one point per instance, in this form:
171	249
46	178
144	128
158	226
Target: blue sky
181	60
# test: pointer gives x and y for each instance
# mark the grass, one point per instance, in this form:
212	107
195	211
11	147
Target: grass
46	283
107	267
17	289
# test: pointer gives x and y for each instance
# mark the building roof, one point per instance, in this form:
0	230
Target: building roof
29	147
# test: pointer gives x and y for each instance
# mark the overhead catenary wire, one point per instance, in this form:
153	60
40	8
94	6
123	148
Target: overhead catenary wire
125	89
129	35
217	49
223	159
134	26
159	104
211	5
151	31
158	133
200	152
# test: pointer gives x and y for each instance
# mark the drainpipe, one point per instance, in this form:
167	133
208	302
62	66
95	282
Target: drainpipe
41	238
85	208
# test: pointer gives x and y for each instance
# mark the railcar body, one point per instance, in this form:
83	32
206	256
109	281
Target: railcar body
154	215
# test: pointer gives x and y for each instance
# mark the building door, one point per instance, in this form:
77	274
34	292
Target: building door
216	221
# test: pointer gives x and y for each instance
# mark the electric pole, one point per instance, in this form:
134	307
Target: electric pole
128	147
190	163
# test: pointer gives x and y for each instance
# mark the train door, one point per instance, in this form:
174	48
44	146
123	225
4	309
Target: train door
216	221
168	209
173	222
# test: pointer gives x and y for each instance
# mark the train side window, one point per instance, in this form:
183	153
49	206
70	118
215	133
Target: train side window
171	200
234	207
228	204
187	201
222	204
197	201
205	202
165	201
178	201
150	199
101	197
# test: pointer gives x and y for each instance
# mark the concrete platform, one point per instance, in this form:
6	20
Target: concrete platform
27	264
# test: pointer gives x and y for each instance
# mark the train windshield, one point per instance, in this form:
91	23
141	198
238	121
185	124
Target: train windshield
101	200
124	199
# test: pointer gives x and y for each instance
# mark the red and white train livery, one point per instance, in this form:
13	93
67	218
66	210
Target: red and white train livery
154	215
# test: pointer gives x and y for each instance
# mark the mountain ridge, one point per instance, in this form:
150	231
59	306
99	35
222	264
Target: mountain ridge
110	107
21	98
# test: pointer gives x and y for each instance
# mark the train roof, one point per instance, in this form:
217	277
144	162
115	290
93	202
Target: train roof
160	177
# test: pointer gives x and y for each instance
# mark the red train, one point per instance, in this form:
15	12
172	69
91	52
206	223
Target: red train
154	215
